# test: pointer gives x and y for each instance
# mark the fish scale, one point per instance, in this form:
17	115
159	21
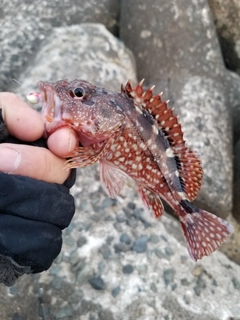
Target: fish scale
134	133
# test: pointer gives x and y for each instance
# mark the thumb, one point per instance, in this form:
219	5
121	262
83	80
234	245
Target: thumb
35	162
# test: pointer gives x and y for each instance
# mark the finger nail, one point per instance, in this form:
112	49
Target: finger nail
9	160
71	142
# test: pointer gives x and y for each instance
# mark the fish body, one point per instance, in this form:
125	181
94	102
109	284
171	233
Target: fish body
134	133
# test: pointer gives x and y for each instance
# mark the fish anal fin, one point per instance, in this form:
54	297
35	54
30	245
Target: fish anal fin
190	171
204	233
112	179
151	200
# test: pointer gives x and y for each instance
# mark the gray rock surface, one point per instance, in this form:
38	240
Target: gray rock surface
234	97
24	24
150	275
86	51
176	49
236	181
226	15
128	285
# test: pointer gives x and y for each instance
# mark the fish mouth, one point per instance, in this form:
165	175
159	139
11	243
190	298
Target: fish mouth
51	107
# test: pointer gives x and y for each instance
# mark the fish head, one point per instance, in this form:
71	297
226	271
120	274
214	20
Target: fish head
88	109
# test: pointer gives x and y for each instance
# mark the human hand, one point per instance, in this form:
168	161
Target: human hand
26	124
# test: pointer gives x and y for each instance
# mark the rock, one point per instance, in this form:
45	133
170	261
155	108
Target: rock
19	40
236	182
127	269
142	294
67	13
140	244
125	238
105	251
168	276
116	291
20	37
176	49
226	14
234	98
97	57
97	283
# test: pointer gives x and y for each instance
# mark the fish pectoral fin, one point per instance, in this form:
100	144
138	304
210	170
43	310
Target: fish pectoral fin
83	156
112	179
151	200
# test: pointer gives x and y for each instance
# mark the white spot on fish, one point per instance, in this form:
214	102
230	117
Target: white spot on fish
134	166
169	153
182	195
138	110
155	129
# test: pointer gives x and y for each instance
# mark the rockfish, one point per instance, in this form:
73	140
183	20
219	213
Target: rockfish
134	133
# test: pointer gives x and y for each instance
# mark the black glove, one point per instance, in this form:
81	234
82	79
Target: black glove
33	214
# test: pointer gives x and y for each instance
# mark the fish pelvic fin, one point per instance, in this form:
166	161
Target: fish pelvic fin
204	232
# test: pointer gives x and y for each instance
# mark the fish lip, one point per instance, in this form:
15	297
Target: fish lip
51	107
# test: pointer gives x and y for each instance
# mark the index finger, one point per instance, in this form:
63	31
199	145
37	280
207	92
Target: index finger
23	122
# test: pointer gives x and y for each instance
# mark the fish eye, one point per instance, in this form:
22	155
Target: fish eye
77	92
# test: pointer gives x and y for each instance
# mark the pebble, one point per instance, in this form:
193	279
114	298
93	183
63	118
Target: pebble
169	251
138	213
121	218
185	282
140	245
160	254
133	223
76	297
54	270
131	205
108	202
127	269
64	312
236	283
74	257
163	237
200	284
125	238
173	286
128	213
197	271
154	238
105	251
121	247
153	287
109	239
142	268
118	226
97	283
95	217
168	275
116	291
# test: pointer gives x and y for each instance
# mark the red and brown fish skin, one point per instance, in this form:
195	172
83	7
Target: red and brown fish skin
134	133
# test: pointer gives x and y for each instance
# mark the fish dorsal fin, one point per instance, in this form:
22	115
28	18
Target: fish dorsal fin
164	116
189	165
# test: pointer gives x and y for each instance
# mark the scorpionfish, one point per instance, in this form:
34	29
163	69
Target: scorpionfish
134	133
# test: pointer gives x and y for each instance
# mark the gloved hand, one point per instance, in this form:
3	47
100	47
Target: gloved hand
33	212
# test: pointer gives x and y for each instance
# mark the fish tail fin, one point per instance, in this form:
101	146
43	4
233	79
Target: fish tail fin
204	232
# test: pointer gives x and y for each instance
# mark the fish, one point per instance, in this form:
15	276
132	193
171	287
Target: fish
134	133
